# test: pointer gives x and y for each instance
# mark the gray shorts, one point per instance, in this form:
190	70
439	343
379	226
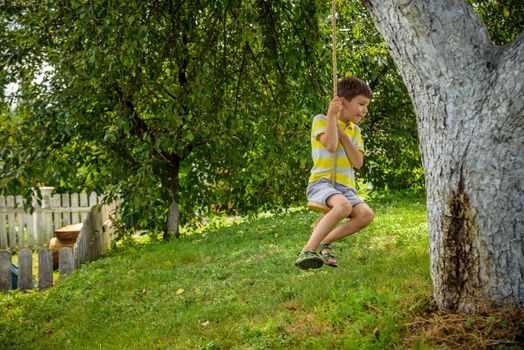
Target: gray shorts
319	192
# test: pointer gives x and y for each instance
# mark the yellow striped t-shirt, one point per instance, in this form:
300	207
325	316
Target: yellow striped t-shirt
323	159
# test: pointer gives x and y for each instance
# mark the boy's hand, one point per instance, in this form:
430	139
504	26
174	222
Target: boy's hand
335	107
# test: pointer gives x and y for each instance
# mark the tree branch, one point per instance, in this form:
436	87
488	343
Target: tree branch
447	35
242	66
262	71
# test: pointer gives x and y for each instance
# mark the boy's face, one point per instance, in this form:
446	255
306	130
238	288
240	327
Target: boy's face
355	109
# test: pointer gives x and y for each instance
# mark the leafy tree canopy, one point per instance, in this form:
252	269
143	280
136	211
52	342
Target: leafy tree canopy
208	103
157	101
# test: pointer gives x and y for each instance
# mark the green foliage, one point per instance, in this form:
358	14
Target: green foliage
206	103
504	19
236	287
390	128
155	102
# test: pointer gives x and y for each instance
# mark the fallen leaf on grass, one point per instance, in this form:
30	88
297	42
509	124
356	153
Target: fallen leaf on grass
180	291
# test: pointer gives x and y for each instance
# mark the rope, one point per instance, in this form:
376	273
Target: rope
334	76
334	47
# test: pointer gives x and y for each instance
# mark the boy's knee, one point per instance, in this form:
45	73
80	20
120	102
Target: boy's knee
345	209
365	215
341	205
368	215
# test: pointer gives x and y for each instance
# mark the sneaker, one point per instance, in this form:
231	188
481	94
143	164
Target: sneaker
309	260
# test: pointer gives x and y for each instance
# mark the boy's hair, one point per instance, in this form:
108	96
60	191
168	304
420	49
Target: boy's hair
350	87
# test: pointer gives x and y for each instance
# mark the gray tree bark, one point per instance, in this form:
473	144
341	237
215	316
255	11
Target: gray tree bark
172	227
469	100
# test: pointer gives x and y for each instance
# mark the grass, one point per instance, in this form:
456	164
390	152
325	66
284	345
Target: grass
235	287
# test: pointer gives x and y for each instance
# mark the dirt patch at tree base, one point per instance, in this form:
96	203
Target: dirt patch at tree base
503	329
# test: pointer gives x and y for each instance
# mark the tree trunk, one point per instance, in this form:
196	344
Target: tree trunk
172	221
173	185
468	98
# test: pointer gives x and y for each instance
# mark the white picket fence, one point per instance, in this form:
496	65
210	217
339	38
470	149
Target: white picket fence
22	233
20	229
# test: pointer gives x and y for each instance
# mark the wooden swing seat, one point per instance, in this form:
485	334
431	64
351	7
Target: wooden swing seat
314	206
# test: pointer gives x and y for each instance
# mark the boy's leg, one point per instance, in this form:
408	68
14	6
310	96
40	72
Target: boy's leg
361	216
340	209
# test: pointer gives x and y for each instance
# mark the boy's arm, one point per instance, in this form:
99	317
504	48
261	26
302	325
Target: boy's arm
355	156
330	138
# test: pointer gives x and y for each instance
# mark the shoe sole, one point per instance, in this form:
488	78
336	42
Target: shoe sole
311	263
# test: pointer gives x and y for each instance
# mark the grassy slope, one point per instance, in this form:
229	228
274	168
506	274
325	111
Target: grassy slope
236	287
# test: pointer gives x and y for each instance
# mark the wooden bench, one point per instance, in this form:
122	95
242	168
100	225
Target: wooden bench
65	237
69	233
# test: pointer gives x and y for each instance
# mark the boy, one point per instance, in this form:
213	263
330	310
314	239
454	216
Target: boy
342	135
